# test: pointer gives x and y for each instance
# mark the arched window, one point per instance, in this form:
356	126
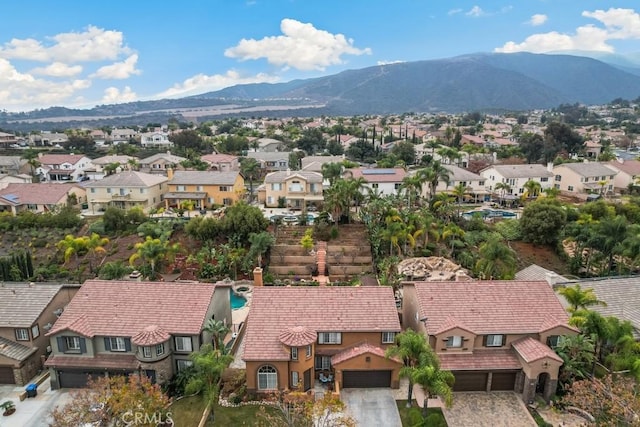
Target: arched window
267	378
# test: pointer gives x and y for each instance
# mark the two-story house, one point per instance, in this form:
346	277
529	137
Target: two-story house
126	190
98	171
299	189
160	163
27	312
62	167
40	198
205	188
474	183
155	140
514	177
271	161
584	178
295	334
492	335
222	162
7	139
314	163
122	135
120	327
628	173
13	165
378	180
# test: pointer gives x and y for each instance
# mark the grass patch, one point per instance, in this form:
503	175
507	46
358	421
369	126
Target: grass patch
412	417
188	411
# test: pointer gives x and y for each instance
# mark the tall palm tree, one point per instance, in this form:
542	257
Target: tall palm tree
412	186
95	245
411	348
218	330
260	243
579	298
532	188
433	380
332	171
459	191
452	233
503	187
497	260
433	175
610	236
250	169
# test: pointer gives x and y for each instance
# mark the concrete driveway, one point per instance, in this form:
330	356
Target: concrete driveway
371	406
495	409
32	412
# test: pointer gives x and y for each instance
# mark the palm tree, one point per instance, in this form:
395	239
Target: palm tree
459	191
432	175
260	243
503	187
250	169
332	171
497	260
31	156
153	251
95	245
551	192
412	185
610	236
433	380
411	348
218	330
580	299
532	188
452	233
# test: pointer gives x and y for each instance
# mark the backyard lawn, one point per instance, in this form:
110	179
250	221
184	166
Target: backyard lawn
413	416
188	411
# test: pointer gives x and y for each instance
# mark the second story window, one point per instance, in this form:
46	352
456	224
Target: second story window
224	188
494	340
22	334
454	341
183	344
35	331
294	353
146	352
329	338
117	344
554	341
309	350
159	349
388	337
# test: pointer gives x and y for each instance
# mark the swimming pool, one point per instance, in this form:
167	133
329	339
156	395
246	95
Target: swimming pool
237	301
490	213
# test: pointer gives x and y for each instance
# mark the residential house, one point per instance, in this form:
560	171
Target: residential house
516	176
13	165
98	171
268	145
123	135
294	334
27	312
427	150
155	140
40	198
378	180
492	335
48	139
628	173
22	178
62	167
314	163
474	183
7	139
205	188
160	163
592	149
271	161
584	178
222	162
121	327
126	190
298	189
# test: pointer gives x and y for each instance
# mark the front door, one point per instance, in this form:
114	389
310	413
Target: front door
307	379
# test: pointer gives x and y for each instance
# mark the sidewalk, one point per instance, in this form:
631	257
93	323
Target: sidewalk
418	395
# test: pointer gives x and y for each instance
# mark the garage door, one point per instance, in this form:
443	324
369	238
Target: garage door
366	379
74	379
470	381
504	381
6	375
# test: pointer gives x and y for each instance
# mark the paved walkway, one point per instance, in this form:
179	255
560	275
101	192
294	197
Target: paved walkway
418	395
481	409
371	406
32	412
563	419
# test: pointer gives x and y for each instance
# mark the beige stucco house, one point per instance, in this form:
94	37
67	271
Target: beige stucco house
628	173
584	178
516	176
126	190
40	197
299	189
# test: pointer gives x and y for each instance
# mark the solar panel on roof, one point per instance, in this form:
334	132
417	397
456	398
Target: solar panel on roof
378	172
11	197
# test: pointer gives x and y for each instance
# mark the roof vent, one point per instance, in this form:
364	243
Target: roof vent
47	326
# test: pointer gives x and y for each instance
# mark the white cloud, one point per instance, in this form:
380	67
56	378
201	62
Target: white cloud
94	44
119	70
383	62
302	46
618	24
58	69
202	83
113	95
538	19
454	11
476	12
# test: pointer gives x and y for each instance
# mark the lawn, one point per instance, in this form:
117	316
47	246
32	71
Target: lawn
413	416
188	411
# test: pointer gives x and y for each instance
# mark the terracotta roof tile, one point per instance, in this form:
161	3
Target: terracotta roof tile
355	351
16	351
124	308
377	175
451	323
22	304
104	361
297	336
151	335
480	360
40	194
531	350
327	309
490	307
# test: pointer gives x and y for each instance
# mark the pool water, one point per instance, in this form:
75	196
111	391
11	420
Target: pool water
490	213
237	301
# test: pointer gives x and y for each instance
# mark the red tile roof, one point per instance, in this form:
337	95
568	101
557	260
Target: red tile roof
327	309
490	307
452	323
371	175
480	360
216	158
358	350
37	194
151	335
630	167
125	308
298	336
531	350
99	361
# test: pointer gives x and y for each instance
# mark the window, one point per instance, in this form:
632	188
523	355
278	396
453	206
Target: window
554	341
159	349
182	364
180	188
454	341
183	344
35	331
117	344
227	202
494	341
309	350
294	379
397	186
224	188
329	338
146	352
22	334
142	191
374	185
323	363
544	179
73	344
570	188
481	183
388	337
93	190
198	187
558	178
267	378
109	190
294	353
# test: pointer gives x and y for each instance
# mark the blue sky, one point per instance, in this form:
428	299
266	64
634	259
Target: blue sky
84	53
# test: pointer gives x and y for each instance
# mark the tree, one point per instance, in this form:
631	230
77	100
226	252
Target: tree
532	188
72	246
497	260
250	169
542	221
240	220
432	175
114	270
31	156
153	252
579	298
531	145
218	330
260	244
332	172
503	188
577	353
609	238
405	151
95	245
433	380
297	409
115	400
412	349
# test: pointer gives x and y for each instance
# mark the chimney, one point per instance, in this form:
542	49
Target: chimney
550	166
170	173
552	278
288	171
257	276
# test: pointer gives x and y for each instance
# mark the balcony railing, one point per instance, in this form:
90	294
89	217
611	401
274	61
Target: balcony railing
121	196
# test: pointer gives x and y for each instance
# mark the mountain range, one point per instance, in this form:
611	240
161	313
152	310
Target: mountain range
490	82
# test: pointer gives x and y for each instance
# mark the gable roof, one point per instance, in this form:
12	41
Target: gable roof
14	350
19	193
521	171
12	161
168	157
588	169
490	307
218	158
460	174
58	159
314	163
21	304
326	309
535	272
129	179
531	350
359	350
376	175
112	158
126	308
630	167
282	176
269	156
204	178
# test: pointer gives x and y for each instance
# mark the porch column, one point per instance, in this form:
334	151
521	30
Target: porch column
549	389
489	381
529	391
